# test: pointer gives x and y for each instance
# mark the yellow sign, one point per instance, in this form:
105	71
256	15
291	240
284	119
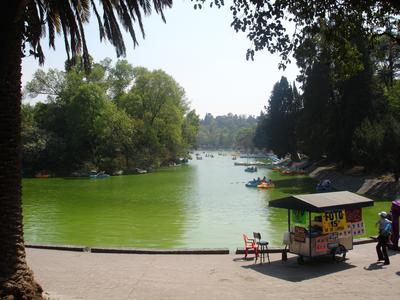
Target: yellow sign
333	221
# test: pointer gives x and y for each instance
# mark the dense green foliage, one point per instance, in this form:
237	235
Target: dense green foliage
350	102
228	132
116	118
277	128
280	26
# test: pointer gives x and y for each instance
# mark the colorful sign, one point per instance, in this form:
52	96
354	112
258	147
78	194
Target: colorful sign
333	221
353	215
357	228
299	216
299	234
321	244
333	240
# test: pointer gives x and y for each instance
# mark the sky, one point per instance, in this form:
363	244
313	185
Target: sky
200	50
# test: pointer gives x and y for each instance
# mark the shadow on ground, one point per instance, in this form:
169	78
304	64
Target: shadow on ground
290	270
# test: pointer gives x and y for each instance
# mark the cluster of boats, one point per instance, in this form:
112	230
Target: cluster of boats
261	183
287	167
253	163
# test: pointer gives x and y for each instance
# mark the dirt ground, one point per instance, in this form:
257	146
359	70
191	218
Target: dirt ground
79	275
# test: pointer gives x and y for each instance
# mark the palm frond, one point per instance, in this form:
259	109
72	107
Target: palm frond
68	18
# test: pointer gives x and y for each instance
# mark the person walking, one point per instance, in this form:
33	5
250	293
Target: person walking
385	227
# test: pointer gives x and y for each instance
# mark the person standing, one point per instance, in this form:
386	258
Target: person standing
383	237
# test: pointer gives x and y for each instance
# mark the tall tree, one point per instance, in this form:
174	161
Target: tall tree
23	24
281	120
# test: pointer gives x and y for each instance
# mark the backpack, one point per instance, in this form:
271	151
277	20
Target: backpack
387	230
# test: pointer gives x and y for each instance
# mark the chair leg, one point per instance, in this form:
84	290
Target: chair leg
245	253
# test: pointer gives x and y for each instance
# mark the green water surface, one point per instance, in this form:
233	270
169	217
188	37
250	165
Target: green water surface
202	204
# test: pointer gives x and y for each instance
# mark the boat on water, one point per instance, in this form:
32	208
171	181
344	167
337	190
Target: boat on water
266	185
251	169
253	183
98	175
140	171
324	186
261	183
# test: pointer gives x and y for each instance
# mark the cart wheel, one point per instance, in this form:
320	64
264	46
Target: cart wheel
339	253
300	260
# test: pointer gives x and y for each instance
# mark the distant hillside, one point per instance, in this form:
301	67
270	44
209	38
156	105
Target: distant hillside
228	131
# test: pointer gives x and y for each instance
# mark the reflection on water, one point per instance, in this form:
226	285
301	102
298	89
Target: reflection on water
204	204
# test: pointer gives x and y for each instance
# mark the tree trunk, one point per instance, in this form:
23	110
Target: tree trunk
16	279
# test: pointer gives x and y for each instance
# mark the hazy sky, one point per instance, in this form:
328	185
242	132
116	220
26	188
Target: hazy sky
200	50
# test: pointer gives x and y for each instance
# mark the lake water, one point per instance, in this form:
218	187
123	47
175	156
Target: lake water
202	204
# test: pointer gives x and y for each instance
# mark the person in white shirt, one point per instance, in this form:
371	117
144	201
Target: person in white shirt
383	237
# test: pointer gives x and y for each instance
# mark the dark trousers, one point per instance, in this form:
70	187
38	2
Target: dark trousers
381	248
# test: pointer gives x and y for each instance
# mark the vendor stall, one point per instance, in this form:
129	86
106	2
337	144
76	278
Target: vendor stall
324	223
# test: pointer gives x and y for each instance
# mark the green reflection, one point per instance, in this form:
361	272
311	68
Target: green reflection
132	211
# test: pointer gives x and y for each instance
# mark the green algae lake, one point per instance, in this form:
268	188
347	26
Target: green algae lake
203	204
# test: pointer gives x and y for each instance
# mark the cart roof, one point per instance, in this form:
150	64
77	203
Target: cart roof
322	201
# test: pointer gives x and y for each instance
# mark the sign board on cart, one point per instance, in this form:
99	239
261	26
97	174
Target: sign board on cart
299	234
333	221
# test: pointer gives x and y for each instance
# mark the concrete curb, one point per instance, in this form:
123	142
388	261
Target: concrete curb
57	247
162	251
196	251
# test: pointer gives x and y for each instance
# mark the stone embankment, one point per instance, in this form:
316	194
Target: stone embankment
354	180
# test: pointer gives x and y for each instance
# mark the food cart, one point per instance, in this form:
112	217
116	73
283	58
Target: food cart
323	223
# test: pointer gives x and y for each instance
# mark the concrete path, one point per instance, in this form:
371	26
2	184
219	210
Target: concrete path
79	275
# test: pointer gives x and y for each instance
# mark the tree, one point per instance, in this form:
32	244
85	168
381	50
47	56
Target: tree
82	110
281	120
281	25
34	141
387	60
115	137
50	84
158	104
244	139
23	25
120	77
221	131
190	128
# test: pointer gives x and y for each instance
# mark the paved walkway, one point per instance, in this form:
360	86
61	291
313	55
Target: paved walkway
78	275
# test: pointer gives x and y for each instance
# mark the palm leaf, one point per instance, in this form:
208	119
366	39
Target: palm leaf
68	17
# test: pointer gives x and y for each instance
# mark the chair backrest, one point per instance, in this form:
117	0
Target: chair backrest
247	242
257	235
245	238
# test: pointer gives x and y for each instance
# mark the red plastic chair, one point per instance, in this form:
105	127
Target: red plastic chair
250	244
